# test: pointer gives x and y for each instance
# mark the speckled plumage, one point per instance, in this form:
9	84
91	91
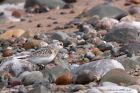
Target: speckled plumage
45	55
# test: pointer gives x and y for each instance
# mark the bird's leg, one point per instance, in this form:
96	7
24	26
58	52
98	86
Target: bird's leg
41	66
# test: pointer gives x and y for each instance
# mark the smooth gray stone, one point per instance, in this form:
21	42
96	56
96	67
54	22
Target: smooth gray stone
61	36
118	76
104	10
45	3
123	34
29	78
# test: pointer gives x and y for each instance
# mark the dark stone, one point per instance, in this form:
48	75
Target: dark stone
104	10
70	1
44	3
123	34
84	78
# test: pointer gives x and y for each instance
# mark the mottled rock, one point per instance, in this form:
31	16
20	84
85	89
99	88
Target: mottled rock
118	76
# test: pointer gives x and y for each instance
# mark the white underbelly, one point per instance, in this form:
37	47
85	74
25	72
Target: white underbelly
41	60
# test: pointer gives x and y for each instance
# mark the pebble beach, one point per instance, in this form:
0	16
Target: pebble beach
69	46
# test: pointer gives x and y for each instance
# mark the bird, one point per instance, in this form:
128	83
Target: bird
46	54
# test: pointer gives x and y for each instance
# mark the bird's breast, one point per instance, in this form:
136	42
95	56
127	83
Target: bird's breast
42	60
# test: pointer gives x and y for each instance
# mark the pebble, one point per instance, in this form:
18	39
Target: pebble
96	51
89	55
18	13
29	78
12	33
7	52
134	10
65	79
61	36
85	77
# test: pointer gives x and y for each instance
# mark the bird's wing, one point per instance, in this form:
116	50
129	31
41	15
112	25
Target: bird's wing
43	52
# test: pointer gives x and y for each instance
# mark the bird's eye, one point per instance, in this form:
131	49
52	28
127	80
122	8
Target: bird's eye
61	44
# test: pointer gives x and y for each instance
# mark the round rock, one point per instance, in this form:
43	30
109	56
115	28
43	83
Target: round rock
61	36
104	10
118	76
45	3
29	78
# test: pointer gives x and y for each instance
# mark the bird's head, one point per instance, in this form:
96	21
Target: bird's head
57	44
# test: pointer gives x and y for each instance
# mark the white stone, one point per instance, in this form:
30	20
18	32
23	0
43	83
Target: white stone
100	67
112	89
